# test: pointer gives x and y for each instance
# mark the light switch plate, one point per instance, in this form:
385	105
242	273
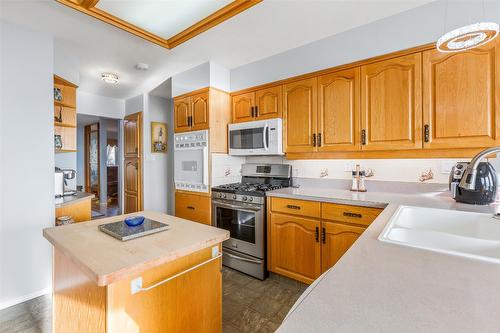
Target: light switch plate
446	166
135	285
215	251
349	166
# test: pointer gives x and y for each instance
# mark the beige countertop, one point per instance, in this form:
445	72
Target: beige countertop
106	260
73	199
382	287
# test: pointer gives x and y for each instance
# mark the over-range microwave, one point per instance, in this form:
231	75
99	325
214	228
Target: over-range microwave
261	137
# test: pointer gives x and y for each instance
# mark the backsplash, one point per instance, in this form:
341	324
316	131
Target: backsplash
226	169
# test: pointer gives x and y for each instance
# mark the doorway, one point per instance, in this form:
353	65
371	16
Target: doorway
132	137
92	159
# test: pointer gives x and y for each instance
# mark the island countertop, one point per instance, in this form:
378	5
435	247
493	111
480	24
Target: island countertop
105	259
382	287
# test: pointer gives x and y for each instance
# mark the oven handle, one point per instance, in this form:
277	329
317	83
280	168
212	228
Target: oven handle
266	130
241	258
228	205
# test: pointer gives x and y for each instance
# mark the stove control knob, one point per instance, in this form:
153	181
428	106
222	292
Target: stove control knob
223	196
244	198
234	196
250	199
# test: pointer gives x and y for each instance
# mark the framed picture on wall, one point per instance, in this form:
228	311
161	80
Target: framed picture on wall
158	137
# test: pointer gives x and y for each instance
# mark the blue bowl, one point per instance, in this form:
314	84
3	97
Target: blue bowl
134	221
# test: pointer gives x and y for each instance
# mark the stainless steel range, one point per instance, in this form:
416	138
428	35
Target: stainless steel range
241	209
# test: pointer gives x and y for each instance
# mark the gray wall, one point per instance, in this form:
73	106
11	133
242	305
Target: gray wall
26	162
195	78
417	26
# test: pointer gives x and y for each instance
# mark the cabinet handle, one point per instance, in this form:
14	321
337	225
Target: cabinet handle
317	234
356	215
293	207
319	139
190	207
314	140
190	121
323	235
426	133
363	137
256	111
253	111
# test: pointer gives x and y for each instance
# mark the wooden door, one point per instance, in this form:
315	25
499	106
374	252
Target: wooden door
133	163
338	111
268	103
243	107
182	114
336	239
199	111
462	98
294	247
299	115
391	93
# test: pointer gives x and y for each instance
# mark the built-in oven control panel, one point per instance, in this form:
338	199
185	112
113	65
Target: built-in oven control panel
238	197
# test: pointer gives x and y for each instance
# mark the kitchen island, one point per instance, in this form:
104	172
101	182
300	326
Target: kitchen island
101	284
382	287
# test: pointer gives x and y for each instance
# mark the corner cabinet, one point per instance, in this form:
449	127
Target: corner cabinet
462	98
257	105
306	238
391	104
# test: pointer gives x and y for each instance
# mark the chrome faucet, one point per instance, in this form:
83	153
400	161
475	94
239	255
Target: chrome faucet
468	181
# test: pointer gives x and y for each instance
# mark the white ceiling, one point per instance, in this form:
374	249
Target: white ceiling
164	18
270	27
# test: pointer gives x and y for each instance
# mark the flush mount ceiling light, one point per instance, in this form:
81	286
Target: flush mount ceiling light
467	37
109	78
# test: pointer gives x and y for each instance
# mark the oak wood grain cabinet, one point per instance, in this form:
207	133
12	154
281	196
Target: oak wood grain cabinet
462	98
133	194
194	207
182	114
257	105
295	248
300	111
391	104
199	111
336	239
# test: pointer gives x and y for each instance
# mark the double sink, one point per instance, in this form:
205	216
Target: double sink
466	234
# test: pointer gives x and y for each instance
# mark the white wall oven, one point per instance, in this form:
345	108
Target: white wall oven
191	161
261	137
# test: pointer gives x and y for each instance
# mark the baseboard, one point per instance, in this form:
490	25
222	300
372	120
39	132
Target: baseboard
24	298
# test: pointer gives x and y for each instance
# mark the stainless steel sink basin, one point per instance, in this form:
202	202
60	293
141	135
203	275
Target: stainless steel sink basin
472	235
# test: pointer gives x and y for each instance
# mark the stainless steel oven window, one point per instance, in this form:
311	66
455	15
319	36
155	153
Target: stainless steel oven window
250	138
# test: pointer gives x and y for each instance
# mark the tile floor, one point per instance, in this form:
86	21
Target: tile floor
248	305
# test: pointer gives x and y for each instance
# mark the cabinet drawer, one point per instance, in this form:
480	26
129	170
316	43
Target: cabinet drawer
350	214
296	207
193	207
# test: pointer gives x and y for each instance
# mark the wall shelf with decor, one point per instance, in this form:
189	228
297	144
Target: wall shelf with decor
64	115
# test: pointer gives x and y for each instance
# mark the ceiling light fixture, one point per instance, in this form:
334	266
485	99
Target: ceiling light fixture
109	78
467	37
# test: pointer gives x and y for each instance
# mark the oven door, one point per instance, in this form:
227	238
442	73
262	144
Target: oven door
246	139
191	169
245	222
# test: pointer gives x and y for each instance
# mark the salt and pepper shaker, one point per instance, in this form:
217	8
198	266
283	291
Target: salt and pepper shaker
358	180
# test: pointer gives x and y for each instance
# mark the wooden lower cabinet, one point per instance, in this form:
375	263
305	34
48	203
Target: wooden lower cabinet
302	246
79	212
295	247
337	238
194	207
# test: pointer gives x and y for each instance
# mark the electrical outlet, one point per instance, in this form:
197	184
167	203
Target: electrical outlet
136	285
215	251
446	167
349	166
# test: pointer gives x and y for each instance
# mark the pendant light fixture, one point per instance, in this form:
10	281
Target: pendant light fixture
467	37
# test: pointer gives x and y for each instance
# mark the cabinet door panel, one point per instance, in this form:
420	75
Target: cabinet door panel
338	111
242	107
193	207
294	248
391	103
199	111
268	102
299	115
461	98
131	137
337	238
182	112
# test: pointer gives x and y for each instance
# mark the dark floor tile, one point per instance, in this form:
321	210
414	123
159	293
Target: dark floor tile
274	298
229	328
269	327
231	309
243	295
250	321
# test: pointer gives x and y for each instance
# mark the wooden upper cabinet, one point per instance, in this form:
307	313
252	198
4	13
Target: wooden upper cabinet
336	239
462	98
391	107
294	247
243	107
199	111
268	103
182	114
338	111
299	115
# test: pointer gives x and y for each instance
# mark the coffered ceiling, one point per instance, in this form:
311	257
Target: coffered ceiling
167	23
